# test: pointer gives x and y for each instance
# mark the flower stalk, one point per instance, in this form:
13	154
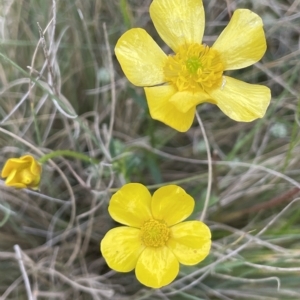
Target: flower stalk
68	153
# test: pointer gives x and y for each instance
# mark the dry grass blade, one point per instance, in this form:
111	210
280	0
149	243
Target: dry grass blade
62	88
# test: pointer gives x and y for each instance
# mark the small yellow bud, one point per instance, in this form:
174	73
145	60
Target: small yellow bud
23	172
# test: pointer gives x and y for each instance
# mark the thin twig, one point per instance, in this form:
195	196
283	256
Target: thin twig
52	78
228	9
230	164
61	173
46	54
278	200
207	269
23	271
113	87
209	163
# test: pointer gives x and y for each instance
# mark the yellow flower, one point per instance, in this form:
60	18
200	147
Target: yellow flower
177	83
23	172
154	240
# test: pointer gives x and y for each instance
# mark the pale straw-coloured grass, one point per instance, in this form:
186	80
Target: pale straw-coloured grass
62	88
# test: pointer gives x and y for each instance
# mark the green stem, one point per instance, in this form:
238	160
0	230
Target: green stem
6	211
127	18
70	153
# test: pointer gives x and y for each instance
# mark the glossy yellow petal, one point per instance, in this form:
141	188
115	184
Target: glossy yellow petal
242	101
14	180
35	170
190	242
35	167
22	172
11	164
243	42
141	59
185	101
27	158
16	185
130	205
163	110
172	204
156	267
121	248
178	22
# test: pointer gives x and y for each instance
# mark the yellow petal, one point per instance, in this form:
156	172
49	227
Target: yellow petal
140	57
242	101
22	172
11	164
243	42
16	185
184	101
121	248
35	183
35	167
14	180
163	110
172	204
19	178
27	158
178	22
190	242
131	205
35	186
156	267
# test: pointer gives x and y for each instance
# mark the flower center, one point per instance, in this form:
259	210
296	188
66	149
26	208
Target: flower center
155	233
194	68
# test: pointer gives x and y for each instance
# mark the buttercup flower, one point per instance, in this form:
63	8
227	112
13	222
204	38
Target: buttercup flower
23	172
175	84
154	240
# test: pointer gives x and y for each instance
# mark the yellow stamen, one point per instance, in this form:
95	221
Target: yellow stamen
194	68
155	233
